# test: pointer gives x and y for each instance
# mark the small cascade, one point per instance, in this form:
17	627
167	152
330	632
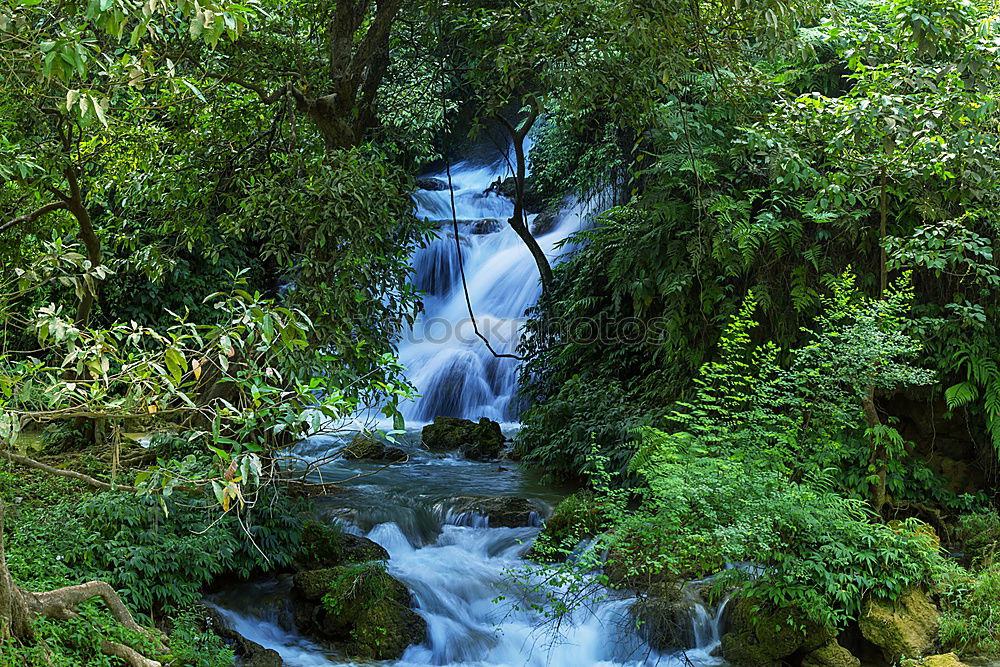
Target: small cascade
264	617
452	369
707	628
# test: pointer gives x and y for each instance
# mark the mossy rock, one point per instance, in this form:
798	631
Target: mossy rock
941	660
902	629
325	546
763	635
663	618
481	441
830	654
578	517
360	608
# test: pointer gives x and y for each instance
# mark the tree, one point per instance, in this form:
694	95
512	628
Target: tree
253	351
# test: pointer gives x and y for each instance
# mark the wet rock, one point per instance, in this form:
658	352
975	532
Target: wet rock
501	511
361	609
905	628
480	442
249	653
830	654
763	635
366	446
324	546
484	226
432	184
543	223
533	201
663	617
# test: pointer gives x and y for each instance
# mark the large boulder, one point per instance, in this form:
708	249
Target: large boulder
533	201
480	442
361	609
499	511
430	183
324	546
543	223
763	635
941	660
830	654
902	629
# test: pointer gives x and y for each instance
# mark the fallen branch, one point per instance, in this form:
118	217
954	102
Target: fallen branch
86	479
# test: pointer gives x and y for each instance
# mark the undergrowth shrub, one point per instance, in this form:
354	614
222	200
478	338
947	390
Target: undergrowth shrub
970	618
741	481
159	561
979	535
557	436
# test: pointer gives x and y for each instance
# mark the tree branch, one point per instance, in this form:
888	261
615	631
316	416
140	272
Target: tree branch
86	479
34	215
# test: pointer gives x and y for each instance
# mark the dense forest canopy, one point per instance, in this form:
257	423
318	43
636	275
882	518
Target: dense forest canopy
207	232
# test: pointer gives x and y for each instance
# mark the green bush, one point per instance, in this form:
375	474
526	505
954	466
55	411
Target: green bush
979	535
193	647
159	561
970	619
558	435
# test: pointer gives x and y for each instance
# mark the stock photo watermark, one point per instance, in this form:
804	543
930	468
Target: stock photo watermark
599	330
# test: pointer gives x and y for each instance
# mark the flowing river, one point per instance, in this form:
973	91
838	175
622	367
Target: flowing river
467	578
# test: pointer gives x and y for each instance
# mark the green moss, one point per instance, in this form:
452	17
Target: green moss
367	608
578	517
479	441
764	635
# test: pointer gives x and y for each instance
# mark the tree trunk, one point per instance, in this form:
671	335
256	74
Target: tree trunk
18	607
14	615
883	273
91	243
518	221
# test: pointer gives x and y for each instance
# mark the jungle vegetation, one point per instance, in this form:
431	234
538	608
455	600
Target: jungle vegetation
205	228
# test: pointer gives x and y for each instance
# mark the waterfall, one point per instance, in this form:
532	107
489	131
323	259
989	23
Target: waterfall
481	600
454	372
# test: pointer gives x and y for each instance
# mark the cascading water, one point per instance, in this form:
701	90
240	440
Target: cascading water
453	370
468	579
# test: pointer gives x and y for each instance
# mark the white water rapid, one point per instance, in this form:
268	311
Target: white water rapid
467	578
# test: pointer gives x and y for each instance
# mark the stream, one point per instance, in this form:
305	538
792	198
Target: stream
467	578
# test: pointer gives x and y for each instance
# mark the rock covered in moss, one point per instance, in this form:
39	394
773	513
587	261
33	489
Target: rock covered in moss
500	511
830	654
763	635
904	628
325	546
578	517
663	617
365	445
941	660
478	441
359	608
